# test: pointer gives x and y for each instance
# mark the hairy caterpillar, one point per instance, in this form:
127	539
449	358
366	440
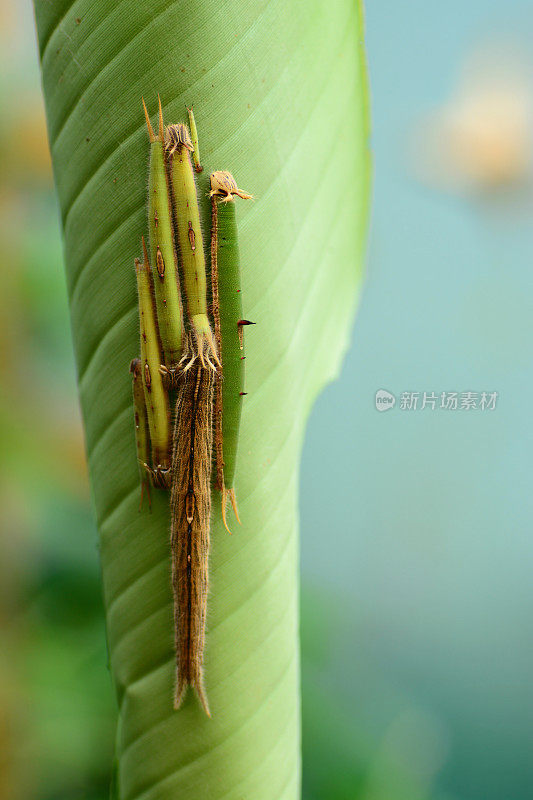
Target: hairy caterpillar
166	281
190	242
155	396
190	504
226	282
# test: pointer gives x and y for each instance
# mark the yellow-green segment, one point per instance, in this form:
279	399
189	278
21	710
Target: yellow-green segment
190	241
155	395
232	340
229	327
162	250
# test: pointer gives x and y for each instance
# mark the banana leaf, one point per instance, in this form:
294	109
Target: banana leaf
280	97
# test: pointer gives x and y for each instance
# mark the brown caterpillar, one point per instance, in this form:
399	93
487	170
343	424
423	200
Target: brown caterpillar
190	504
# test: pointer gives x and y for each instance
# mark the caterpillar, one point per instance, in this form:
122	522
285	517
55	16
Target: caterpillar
166	280
190	505
155	397
190	242
229	324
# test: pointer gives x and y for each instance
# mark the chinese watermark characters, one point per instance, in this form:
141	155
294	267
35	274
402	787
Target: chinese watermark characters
432	401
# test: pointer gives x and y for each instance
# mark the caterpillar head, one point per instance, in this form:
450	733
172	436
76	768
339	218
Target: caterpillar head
177	136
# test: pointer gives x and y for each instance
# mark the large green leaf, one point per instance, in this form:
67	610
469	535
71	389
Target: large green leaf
279	91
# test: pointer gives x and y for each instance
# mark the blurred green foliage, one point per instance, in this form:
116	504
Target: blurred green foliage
57	718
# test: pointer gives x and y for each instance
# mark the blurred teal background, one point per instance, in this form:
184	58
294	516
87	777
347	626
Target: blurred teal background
416	525
416	555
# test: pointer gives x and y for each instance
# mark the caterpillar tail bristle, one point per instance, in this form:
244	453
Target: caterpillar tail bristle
151	134
179	694
161	133
233	501
197	686
224	500
202	697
